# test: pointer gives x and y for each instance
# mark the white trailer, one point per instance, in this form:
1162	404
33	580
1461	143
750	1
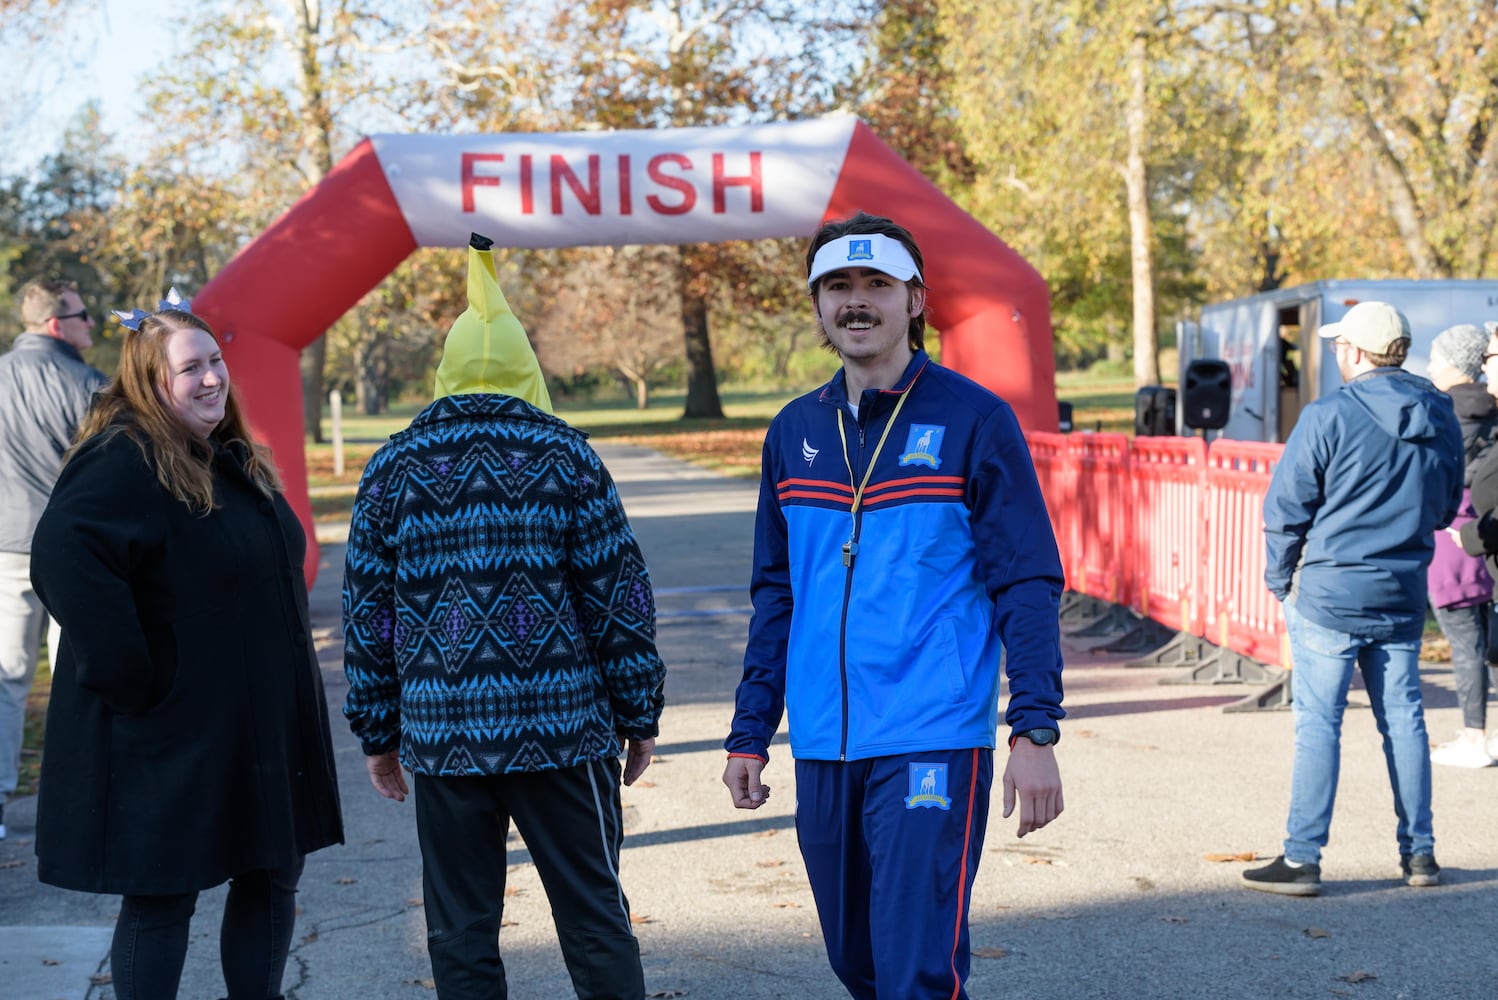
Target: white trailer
1278	362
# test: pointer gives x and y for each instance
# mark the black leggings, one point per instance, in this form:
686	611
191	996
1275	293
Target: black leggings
150	938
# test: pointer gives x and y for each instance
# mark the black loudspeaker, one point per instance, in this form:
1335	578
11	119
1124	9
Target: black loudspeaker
1063	417
1206	391
1155	411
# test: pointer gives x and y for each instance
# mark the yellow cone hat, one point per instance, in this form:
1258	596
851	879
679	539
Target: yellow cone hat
486	349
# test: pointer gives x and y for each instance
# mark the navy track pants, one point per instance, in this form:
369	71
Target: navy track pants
891	846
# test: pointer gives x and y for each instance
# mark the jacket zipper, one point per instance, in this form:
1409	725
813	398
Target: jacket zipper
842	639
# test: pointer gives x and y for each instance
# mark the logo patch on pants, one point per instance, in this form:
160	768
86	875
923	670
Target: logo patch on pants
928	787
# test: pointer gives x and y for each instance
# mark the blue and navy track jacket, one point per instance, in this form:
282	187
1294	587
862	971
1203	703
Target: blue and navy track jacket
955	560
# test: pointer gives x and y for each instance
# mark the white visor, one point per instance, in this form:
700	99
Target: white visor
870	250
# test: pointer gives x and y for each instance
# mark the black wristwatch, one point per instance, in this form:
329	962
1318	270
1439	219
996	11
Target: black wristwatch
1040	737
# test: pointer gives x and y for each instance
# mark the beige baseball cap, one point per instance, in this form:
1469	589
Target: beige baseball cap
1371	327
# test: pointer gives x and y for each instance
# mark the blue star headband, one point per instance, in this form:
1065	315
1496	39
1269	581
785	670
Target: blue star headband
174	300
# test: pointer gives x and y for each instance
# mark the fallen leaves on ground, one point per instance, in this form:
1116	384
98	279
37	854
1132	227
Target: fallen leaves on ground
1232	856
1357	977
641	918
665	994
1318	932
990	953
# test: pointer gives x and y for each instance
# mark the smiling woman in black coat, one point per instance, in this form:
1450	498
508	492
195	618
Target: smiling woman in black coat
187	737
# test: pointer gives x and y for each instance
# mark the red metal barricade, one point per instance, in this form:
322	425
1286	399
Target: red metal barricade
1241	613
1102	563
1169	478
1056	468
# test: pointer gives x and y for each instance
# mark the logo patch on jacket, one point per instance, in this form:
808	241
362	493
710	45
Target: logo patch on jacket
808	452
923	446
928	787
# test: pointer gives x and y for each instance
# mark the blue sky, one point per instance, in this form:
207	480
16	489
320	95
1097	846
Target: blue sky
102	54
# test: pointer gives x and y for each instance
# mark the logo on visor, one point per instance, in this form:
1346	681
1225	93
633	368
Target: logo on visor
928	787
860	249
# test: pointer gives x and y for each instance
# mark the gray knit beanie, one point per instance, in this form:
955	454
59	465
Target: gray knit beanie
1460	347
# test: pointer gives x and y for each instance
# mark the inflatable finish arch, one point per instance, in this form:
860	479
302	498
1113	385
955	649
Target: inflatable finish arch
394	193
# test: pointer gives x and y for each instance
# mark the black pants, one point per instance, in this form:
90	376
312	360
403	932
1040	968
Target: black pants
150	938
572	823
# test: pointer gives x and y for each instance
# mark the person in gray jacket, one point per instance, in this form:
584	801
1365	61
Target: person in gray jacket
45	389
1367	477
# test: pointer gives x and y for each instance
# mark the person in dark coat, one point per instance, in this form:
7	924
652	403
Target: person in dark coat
1479	537
1460	587
187	739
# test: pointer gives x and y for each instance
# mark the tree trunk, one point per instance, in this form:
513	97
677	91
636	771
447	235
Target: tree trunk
373	376
317	138
311	362
642	394
702	377
1141	231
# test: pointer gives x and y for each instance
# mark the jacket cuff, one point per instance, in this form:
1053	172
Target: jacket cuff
1471	541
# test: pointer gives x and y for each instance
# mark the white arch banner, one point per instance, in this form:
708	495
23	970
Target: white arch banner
674	185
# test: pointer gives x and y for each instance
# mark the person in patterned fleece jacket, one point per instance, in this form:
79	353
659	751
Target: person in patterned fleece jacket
499	630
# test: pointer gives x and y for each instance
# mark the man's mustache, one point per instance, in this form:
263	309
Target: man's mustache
857	316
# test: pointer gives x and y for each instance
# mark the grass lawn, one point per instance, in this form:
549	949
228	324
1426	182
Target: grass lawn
730	446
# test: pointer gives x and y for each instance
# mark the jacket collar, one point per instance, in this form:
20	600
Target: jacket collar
835	393
482	405
45	342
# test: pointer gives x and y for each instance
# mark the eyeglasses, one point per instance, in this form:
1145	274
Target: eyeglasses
80	314
1489	356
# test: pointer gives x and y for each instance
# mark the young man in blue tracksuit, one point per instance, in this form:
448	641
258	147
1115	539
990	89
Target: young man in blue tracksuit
901	541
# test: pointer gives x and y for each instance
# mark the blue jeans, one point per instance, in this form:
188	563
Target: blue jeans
1323	661
1467	631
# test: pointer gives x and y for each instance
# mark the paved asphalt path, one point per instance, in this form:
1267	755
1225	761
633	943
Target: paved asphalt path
1122	897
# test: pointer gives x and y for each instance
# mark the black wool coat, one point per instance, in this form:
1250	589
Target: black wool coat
187	736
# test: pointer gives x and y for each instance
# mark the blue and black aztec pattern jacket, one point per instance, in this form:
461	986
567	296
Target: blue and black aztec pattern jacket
497	613
899	652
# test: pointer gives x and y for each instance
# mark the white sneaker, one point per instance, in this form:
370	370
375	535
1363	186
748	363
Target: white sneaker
1493	746
1463	751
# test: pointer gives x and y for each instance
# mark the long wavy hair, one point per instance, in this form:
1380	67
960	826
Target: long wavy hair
133	404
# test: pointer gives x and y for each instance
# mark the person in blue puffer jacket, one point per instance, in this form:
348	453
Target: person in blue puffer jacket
901	543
